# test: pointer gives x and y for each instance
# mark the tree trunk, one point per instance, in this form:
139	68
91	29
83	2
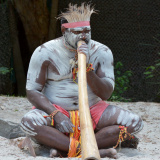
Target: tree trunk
18	64
53	21
35	18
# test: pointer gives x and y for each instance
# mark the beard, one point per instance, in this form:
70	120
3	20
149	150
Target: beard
72	39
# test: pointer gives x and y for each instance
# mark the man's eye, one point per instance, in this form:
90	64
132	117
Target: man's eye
87	31
77	32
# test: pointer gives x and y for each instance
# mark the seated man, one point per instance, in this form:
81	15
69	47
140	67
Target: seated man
52	88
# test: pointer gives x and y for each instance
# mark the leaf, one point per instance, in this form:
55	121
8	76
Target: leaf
152	67
147	72
147	68
4	70
158	64
150	76
118	72
118	65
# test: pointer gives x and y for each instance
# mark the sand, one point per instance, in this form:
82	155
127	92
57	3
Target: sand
13	108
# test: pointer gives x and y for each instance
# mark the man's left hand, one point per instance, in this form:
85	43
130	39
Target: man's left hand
83	49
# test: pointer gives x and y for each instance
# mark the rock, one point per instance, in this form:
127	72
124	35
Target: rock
10	130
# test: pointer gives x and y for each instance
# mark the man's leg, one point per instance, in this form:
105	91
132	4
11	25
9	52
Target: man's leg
38	127
108	126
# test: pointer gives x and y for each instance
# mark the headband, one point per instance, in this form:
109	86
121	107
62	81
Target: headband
76	24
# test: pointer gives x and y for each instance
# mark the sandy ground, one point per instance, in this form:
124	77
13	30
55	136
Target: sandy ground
13	108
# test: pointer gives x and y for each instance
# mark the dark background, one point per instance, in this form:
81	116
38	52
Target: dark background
130	28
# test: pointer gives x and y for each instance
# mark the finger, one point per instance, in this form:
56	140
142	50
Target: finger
64	125
70	127
70	123
59	127
83	44
66	128
83	48
61	130
83	51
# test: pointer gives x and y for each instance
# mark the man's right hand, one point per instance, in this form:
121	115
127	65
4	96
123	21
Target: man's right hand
83	48
63	123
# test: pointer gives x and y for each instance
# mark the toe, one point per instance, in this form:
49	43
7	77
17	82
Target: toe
53	153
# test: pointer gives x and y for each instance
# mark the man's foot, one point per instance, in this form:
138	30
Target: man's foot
133	143
57	153
111	153
54	153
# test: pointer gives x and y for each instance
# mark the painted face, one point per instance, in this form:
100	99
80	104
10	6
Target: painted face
73	35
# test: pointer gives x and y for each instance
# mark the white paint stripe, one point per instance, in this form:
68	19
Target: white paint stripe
120	117
35	120
113	111
137	127
131	116
126	118
41	118
26	130
55	51
28	125
136	119
140	128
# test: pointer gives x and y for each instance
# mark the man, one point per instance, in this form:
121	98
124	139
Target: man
52	88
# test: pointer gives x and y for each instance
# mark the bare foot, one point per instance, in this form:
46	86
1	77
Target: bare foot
57	153
111	153
53	153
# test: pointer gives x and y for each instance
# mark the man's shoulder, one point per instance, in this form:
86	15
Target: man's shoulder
97	46
47	49
96	42
53	44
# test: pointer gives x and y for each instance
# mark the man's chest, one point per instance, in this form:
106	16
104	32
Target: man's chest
63	67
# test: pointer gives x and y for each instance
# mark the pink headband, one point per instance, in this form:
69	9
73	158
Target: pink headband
76	24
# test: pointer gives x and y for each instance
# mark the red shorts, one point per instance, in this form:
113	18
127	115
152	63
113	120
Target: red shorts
95	110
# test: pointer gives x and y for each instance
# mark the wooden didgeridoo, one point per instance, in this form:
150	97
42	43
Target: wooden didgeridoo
88	141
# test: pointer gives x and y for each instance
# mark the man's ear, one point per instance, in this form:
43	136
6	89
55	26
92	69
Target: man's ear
63	29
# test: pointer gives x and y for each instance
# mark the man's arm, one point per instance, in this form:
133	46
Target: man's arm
36	79
100	87
102	81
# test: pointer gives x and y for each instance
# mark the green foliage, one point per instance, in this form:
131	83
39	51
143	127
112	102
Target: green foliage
121	83
152	72
4	70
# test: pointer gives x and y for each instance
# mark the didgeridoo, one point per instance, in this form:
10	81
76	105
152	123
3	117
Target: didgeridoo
88	141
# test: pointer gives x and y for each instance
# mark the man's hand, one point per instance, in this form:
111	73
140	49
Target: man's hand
63	123
83	49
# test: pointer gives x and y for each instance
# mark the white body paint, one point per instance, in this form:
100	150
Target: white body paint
60	88
71	39
127	118
31	119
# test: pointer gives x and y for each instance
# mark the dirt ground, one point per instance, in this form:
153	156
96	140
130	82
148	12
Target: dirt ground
13	108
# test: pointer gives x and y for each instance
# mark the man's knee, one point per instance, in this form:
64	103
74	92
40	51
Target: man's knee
137	124
31	121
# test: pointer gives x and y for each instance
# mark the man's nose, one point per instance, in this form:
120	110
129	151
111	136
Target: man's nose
83	36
